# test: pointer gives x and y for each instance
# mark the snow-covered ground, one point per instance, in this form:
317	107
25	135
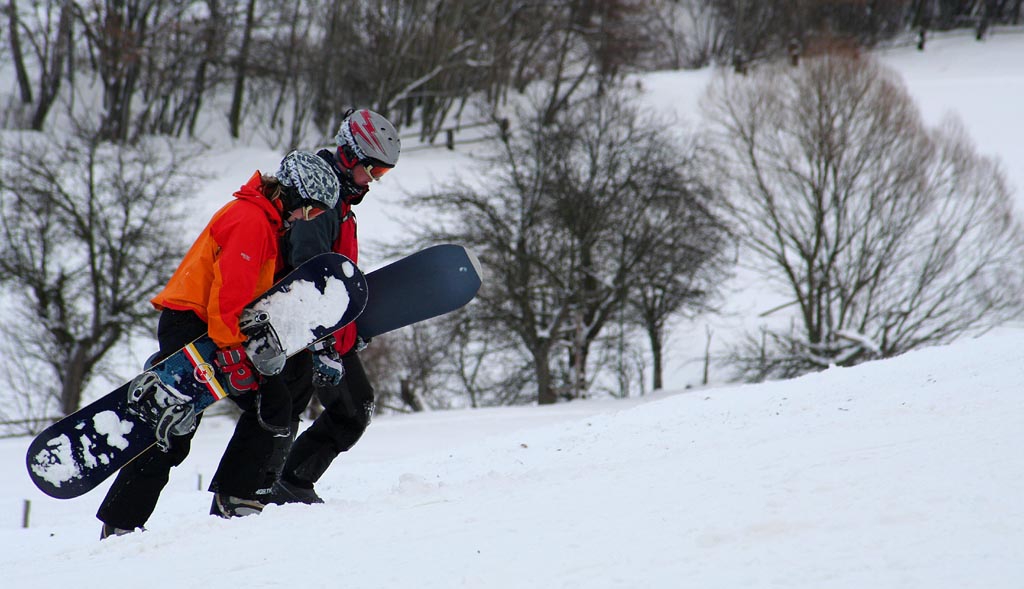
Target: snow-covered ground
901	473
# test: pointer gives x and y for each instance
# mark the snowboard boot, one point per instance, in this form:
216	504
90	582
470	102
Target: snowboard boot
228	506
162	407
287	492
108	530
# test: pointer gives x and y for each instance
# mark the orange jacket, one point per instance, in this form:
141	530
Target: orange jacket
232	262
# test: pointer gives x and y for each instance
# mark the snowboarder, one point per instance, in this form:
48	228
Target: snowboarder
367	147
234	260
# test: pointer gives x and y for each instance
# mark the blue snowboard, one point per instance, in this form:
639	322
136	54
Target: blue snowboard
77	453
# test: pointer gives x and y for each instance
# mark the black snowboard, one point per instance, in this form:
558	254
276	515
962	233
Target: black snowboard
429	283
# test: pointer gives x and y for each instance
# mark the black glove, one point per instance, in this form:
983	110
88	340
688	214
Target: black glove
328	369
360	345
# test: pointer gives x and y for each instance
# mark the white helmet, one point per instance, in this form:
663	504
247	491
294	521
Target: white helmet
366	137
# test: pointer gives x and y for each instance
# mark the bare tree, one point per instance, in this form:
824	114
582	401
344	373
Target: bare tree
87	239
153	59
18	56
683	277
241	64
47	33
752	29
887	236
125	41
181	65
408	368
583	41
757	30
420	61
563	227
685	34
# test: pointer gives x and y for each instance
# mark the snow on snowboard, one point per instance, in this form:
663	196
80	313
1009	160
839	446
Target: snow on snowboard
77	453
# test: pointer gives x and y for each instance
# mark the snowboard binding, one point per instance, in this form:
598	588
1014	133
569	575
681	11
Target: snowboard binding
263	346
160	406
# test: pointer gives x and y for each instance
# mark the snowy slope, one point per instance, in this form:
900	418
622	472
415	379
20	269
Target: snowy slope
902	473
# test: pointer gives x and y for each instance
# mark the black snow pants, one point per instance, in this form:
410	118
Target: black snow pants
348	408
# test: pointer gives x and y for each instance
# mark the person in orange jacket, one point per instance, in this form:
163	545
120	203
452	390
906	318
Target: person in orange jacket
233	261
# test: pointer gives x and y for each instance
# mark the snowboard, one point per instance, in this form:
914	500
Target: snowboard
77	453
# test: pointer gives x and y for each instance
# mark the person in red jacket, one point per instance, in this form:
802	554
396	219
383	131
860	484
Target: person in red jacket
367	147
234	260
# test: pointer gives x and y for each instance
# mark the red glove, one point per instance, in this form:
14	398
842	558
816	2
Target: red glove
236	366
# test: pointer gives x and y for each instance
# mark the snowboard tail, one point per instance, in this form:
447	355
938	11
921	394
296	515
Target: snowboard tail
434	281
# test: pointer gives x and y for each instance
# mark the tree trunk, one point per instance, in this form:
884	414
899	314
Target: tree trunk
546	394
19	59
197	99
50	80
409	396
73	381
235	117
656	356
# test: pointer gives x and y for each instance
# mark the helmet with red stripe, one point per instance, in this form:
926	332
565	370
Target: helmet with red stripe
369	139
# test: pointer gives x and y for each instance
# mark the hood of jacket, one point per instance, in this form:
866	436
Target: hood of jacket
254	191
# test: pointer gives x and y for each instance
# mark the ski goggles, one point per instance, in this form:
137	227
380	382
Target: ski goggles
375	172
348	160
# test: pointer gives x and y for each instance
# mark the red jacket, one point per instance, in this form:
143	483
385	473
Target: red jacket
347	244
232	262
